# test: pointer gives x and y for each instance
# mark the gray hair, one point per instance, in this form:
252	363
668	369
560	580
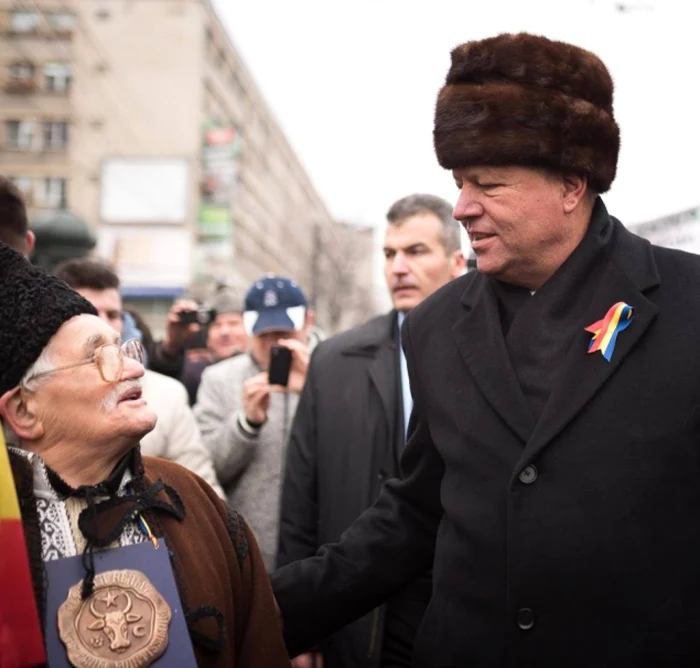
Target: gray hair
412	205
42	365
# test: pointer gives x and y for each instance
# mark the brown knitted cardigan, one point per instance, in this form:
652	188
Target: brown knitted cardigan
223	586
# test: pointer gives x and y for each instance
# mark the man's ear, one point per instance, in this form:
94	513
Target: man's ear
309	319
19	415
573	191
458	264
30	241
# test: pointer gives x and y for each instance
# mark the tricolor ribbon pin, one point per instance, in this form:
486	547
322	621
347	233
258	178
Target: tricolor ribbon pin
618	318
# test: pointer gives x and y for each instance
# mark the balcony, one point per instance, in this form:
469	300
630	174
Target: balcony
20	86
23	23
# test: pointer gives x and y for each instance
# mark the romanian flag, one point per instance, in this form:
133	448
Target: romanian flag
21	644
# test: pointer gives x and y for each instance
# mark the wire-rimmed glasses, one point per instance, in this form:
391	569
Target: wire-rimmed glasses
109	359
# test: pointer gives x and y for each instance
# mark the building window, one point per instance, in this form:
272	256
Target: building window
24	20
20	135
21	72
50	193
20	78
57	77
25	186
55	135
61	21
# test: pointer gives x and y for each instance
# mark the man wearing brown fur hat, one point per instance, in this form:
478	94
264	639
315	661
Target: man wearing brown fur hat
551	474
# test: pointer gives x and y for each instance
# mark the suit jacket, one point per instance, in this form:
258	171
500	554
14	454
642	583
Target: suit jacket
345	441
573	541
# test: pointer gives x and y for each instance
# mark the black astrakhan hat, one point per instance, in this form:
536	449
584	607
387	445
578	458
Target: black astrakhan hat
33	306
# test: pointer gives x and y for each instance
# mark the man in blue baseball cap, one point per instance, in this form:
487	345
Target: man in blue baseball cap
245	415
274	304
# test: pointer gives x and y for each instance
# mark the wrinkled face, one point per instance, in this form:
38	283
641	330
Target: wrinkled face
416	262
226	335
261	344
108	304
77	404
515	222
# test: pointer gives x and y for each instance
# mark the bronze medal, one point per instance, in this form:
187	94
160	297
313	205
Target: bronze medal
123	624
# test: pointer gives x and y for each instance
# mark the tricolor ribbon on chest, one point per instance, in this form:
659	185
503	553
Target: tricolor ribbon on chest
605	332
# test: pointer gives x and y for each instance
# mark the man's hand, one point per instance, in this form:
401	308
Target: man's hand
310	660
300	363
177	334
256	398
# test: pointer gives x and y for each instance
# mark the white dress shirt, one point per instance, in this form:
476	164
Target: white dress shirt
405	383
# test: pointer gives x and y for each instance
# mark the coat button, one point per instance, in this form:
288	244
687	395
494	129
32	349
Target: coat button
526	619
381	475
528	475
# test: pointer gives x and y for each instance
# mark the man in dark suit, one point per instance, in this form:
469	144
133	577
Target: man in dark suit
350	426
551	477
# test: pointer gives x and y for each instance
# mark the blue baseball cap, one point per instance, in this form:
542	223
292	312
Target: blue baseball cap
274	303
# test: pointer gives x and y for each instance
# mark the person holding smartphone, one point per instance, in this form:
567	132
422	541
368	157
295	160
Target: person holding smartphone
246	404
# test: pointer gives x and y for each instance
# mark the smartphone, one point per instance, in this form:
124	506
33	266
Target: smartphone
200	317
280	363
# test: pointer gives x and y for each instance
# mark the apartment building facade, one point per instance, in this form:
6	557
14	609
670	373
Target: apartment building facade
141	119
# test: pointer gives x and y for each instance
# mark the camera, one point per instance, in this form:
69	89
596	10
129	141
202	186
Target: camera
199	317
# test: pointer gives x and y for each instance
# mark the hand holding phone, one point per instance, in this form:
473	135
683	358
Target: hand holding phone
256	398
298	365
177	334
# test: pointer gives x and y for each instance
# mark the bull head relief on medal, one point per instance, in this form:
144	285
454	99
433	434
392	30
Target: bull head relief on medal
116	623
123	624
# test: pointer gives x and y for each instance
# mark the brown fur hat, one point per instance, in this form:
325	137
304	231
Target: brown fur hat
530	101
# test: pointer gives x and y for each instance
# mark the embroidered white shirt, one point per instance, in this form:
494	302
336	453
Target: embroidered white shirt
58	516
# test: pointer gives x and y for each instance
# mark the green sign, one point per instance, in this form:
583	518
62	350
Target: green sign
221	146
215	221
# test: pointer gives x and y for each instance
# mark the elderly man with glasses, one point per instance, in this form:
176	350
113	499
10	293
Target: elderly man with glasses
133	559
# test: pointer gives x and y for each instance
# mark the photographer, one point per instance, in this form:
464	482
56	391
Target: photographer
246	404
220	325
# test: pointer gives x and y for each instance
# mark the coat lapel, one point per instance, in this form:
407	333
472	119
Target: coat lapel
630	271
382	372
479	338
381	344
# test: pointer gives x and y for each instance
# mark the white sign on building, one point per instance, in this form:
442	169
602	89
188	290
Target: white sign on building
680	231
144	190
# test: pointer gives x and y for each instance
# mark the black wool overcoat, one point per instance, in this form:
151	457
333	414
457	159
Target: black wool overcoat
345	442
572	542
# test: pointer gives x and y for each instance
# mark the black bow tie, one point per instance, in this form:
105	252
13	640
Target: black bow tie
102	523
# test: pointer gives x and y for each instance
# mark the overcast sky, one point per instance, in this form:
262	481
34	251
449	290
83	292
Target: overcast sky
353	86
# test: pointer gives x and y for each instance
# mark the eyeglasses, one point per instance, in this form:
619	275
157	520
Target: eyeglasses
109	359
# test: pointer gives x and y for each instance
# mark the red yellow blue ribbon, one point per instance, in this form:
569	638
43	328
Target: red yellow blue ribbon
146	529
605	331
